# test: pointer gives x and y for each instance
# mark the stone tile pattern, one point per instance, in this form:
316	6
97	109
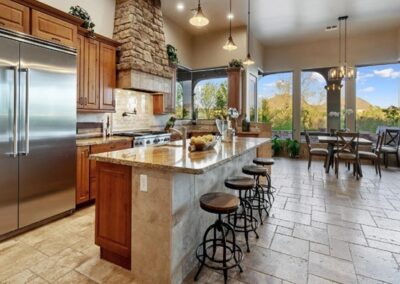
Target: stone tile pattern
331	221
138	26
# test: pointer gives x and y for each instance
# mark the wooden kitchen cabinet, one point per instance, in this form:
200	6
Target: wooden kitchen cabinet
97	72
96	149
108	76
14	16
82	174
235	88
53	29
91	74
113	213
86	177
80	62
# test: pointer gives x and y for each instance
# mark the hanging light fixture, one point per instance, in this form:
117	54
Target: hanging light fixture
199	20
248	61
343	71
230	45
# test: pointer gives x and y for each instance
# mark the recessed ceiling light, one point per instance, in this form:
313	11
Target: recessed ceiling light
180	6
230	16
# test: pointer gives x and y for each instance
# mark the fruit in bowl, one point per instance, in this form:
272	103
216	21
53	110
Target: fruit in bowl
202	143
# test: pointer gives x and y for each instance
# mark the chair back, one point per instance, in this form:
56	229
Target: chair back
392	138
308	140
379	143
347	142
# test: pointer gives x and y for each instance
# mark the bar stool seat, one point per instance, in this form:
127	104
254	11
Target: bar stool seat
242	220
239	183
218	249
219	202
263	161
254	170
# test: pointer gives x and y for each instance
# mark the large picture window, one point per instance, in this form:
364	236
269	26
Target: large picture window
211	98
274	103
313	102
378	99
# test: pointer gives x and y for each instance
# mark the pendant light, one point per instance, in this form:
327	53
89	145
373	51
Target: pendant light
342	71
199	20
230	45
248	61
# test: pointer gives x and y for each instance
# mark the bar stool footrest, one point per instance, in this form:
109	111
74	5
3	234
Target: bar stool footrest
234	258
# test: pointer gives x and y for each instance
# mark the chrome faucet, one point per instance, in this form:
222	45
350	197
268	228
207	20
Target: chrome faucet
182	133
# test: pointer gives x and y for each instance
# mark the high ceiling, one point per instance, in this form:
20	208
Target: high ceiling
282	21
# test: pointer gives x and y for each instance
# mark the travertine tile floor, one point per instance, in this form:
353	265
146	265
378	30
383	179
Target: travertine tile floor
321	230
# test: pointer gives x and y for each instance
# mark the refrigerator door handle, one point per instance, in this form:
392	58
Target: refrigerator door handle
16	113
26	70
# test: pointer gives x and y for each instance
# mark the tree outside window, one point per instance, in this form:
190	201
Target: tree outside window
211	98
378	97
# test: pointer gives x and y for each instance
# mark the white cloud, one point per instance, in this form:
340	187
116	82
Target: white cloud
270	84
362	77
368	90
318	77
387	73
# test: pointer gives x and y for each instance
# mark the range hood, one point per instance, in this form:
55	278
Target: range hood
143	82
143	63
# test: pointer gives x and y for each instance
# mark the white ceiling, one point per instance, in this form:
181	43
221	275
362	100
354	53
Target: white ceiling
282	21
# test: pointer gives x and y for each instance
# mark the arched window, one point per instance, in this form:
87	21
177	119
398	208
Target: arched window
378	98
274	102
211	98
313	102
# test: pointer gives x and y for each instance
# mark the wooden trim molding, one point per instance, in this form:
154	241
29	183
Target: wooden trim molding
44	8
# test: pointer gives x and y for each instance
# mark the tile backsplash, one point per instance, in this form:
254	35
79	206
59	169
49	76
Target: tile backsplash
128	101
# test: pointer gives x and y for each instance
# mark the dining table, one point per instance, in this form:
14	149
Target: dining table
332	141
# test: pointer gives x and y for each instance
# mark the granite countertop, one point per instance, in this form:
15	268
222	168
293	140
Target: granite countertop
100	140
173	158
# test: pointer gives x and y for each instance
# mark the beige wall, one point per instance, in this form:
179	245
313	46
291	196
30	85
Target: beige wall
181	40
208	51
101	12
375	48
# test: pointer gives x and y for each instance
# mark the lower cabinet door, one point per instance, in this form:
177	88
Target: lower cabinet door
113	212
82	174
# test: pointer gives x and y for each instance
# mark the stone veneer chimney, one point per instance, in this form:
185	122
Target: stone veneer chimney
138	26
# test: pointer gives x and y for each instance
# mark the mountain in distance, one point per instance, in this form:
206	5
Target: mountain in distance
285	99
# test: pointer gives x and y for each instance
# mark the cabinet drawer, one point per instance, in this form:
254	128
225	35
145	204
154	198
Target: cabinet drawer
53	29
14	16
114	146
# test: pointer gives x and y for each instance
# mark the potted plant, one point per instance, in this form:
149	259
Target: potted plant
276	145
172	55
84	15
236	64
293	148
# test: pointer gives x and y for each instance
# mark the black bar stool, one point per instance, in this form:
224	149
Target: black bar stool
209	251
243	221
257	199
266	162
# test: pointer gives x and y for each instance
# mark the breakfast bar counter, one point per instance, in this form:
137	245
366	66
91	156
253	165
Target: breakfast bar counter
148	217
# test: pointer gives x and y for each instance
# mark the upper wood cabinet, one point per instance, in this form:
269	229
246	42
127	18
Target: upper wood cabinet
97	71
107	76
80	62
53	29
235	88
14	16
91	74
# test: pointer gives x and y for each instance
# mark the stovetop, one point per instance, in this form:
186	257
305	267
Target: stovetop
143	133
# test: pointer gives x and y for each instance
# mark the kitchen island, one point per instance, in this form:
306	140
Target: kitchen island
148	217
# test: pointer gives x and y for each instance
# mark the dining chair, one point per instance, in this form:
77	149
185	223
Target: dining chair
391	145
374	156
347	151
321	152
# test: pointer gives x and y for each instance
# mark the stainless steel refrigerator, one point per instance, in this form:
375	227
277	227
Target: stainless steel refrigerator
37	131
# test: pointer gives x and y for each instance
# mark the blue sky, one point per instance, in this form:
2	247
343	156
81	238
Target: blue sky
267	84
379	84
